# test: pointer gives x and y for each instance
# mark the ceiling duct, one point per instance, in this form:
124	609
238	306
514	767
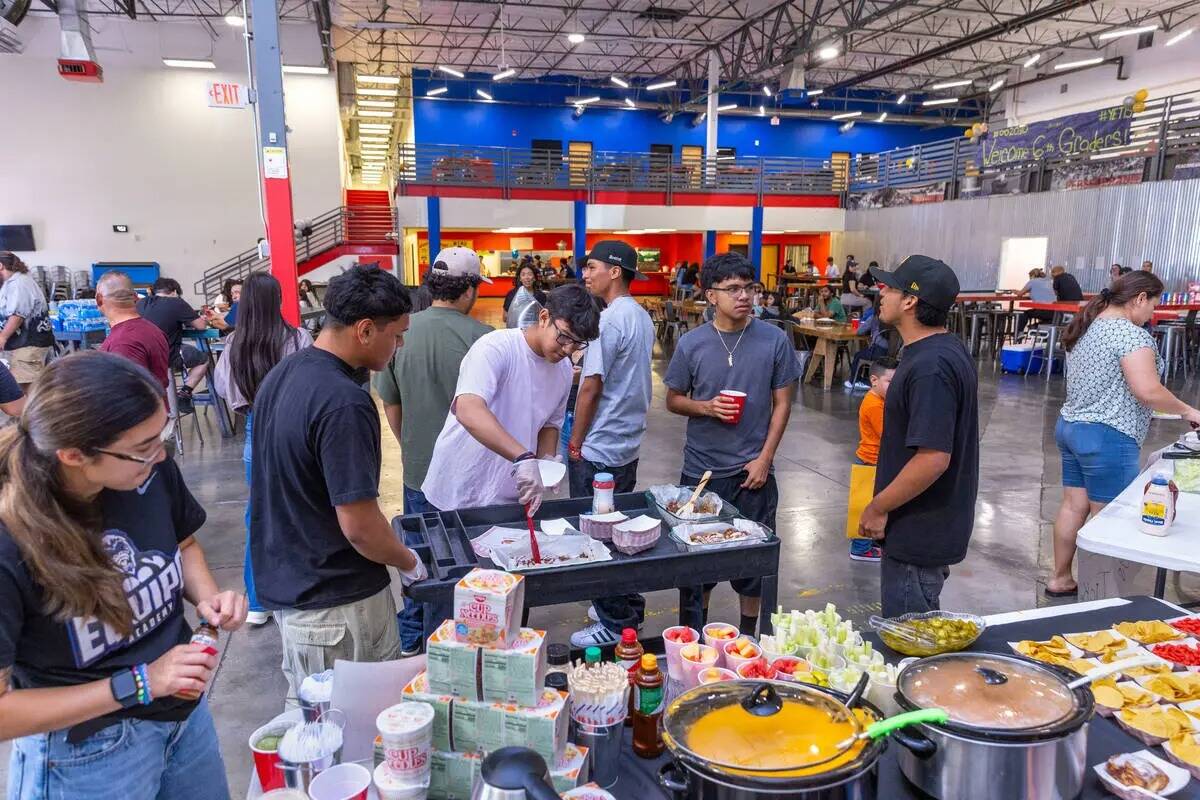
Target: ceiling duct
77	58
793	76
13	11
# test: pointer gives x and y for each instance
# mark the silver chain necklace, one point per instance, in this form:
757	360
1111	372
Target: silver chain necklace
721	336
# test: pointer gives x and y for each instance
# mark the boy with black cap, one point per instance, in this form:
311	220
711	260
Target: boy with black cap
610	413
928	472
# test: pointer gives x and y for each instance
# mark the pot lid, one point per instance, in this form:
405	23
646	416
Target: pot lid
762	727
989	691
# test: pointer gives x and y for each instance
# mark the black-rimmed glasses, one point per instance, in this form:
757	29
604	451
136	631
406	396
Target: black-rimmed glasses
167	432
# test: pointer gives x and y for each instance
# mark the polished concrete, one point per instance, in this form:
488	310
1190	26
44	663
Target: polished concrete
1005	570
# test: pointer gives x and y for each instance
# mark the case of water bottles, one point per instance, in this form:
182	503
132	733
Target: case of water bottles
79	315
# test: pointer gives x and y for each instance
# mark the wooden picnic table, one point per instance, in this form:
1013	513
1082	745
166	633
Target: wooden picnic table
825	349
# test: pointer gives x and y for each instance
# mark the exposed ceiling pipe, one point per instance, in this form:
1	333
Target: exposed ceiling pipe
77	58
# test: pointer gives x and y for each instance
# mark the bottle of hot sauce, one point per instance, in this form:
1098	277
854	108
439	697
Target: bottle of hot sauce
207	635
628	653
648	711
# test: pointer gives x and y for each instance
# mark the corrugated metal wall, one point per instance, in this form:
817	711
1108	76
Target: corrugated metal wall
1089	230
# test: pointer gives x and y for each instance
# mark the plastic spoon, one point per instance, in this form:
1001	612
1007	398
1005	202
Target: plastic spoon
1116	666
690	505
935	716
533	544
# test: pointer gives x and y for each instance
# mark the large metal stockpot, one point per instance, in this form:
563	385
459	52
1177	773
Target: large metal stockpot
1015	730
701	771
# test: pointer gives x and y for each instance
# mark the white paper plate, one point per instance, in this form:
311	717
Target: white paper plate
552	471
556	527
1178	778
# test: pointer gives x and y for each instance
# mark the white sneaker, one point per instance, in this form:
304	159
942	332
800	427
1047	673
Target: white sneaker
593	615
257	618
595	635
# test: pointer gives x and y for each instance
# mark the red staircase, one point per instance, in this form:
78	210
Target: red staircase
369	217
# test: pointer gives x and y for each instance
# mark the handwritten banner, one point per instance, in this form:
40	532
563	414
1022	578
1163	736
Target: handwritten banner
1072	135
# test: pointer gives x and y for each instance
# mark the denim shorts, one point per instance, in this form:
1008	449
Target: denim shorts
1096	457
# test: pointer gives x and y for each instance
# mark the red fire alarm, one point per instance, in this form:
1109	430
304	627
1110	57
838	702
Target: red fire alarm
83	71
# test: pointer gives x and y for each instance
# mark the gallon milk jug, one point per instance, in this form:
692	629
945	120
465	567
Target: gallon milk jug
1158	506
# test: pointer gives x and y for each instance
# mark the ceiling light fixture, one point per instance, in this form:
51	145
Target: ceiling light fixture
630	103
586	100
386	80
1085	62
767	91
727	107
1179	37
654	87
450	71
235	20
516	229
950	84
901	99
483	94
374	126
576	38
762	111
882	117
1117	34
376	103
619	82
1033	59
188	63
369	113
437	91
847	115
942	102
374	139
827	52
378	92
508	73
296	69
996	84
815	92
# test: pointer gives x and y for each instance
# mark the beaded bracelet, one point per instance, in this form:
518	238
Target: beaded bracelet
142	678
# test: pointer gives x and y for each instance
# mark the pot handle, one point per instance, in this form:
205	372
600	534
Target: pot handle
671	779
916	742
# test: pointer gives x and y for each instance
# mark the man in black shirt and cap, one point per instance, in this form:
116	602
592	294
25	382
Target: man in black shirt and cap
928	471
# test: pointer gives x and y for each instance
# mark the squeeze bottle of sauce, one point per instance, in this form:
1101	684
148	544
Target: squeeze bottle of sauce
629	652
648	710
1158	505
206	635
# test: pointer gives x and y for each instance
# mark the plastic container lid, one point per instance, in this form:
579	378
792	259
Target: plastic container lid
407	718
629	636
649	662
1161	478
558	655
602	477
591	655
557	681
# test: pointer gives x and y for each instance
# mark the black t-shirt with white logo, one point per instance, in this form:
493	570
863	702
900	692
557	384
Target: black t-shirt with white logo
932	403
142	530
170	314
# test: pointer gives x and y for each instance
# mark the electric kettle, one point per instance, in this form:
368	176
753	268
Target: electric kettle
513	773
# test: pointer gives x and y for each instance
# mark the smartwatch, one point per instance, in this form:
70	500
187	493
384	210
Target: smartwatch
124	688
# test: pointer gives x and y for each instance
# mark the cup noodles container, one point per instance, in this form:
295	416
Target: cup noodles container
477	727
266	761
390	787
418	691
674	639
453	775
452	666
543	728
739	398
715	675
693	659
407	733
518	674
487	608
341	782
716	634
571	770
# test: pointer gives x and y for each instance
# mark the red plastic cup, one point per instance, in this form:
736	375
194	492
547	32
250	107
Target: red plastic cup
266	762
739	398
854	324
341	782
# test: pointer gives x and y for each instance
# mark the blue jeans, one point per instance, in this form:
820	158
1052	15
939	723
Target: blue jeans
1096	457
909	588
248	570
412	617
133	758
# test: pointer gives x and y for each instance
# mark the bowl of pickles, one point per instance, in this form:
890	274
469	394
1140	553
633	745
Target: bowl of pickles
929	633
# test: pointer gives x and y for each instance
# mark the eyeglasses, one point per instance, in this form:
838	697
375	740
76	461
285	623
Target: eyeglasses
735	291
167	432
566	340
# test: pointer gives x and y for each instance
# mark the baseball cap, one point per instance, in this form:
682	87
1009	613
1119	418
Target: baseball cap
924	277
617	253
459	261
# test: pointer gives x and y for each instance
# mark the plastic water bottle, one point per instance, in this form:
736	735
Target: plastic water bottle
1158	505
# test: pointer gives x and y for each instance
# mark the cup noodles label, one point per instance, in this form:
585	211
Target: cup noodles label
487	606
406	759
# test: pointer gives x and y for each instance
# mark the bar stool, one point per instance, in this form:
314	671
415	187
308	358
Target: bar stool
1171	338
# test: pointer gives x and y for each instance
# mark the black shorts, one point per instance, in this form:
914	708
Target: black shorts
188	357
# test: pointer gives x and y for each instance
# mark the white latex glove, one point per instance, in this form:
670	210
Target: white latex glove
529	484
417	573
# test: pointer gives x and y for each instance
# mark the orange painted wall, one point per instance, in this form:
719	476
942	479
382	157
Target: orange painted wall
818	244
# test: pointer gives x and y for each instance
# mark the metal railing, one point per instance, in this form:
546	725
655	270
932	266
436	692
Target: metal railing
365	225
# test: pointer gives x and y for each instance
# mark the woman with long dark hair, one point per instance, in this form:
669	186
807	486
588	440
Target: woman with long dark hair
1112	387
526	289
97	555
262	340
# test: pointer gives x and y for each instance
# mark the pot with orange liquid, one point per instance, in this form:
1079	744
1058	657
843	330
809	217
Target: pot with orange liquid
737	740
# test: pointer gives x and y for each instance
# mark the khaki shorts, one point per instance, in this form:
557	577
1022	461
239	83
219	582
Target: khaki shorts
27	363
312	640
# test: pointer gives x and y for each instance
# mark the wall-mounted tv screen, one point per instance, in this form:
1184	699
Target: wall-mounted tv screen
18	238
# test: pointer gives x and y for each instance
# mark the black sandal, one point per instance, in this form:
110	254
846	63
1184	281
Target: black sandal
1052	593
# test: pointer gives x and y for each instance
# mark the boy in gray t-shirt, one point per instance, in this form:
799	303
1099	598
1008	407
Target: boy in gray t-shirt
734	351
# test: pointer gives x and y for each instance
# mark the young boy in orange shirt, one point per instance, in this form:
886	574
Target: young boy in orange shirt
870	429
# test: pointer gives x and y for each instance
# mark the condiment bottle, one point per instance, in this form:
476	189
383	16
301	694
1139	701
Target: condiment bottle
648	709
591	656
206	635
1158	505
603	486
558	661
629	652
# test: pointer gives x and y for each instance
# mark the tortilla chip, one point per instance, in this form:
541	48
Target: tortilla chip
1148	632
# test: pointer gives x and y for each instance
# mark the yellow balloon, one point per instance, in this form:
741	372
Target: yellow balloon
1140	96
1138	107
909	163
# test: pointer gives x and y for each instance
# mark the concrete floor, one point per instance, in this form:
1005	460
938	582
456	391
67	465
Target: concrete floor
1009	557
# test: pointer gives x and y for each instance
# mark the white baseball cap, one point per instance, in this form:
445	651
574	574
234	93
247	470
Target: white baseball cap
459	261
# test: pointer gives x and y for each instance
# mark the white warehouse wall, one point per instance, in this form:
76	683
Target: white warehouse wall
143	148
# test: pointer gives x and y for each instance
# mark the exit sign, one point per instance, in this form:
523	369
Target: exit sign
227	95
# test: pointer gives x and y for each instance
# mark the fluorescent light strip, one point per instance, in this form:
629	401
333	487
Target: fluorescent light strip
235	20
827	53
623	84
437	91
847	115
508	73
1179	37
950	84
576	38
386	80
727	107
996	84
1033	59
587	100
766	90
374	139
450	71
517	229
188	63
296	69
815	92
378	92
363	112
882	117
376	103
630	103
483	94
1086	62
376	147
1117	34
374	126
654	87
942	102
901	99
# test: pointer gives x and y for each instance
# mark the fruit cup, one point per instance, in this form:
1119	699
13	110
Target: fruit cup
756	669
264	744
787	668
715	675
674	639
740	651
693	659
716	634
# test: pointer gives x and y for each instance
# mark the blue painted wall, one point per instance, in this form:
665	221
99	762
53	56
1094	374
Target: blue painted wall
481	123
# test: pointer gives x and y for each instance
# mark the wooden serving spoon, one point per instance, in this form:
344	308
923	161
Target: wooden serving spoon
690	505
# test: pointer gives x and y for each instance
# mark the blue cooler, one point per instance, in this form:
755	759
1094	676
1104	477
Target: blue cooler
1016	358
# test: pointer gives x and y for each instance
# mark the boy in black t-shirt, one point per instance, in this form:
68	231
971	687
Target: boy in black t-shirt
928	472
